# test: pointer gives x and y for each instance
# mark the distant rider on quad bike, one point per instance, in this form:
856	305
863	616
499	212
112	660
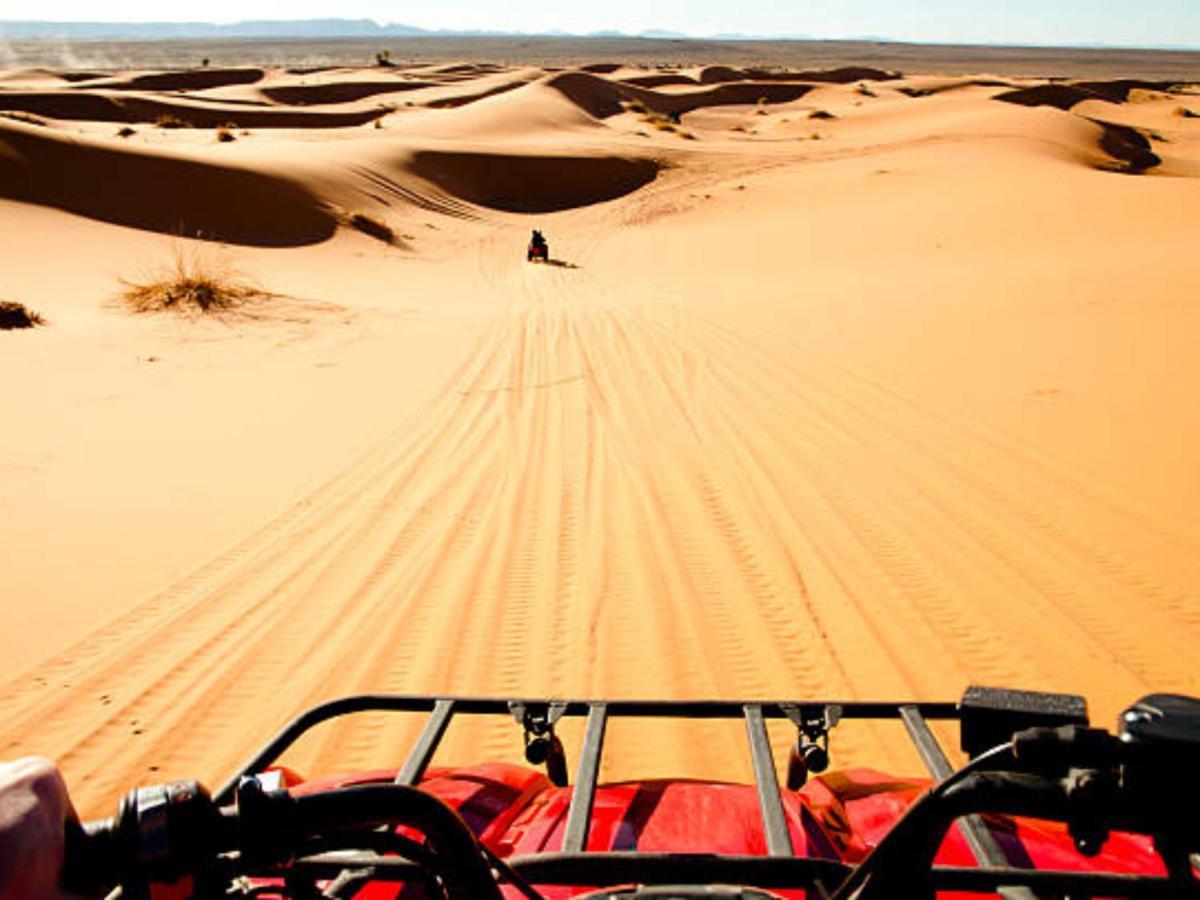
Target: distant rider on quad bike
538	248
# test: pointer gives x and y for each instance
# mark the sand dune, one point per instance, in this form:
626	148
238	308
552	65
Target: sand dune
659	80
602	98
160	193
101	107
41	77
454	99
876	386
928	87
844	75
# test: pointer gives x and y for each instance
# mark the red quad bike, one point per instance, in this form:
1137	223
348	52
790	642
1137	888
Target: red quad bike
538	252
1047	807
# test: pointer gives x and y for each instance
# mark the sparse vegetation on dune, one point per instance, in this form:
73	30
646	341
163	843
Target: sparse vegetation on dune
16	315
125	131
193	282
821	114
225	133
167	120
658	121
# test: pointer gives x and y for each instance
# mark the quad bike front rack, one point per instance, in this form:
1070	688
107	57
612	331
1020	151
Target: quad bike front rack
984	715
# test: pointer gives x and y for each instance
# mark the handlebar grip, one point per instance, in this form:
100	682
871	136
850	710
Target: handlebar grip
160	833
90	854
165	832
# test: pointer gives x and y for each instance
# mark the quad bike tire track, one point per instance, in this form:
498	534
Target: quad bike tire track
613	498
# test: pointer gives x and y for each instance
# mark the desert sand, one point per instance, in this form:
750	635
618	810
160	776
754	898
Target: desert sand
840	384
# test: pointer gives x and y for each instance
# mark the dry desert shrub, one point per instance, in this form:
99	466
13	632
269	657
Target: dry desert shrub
125	132
821	114
657	120
192	282
16	315
225	133
168	120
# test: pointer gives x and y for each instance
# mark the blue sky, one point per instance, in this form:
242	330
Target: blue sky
1117	22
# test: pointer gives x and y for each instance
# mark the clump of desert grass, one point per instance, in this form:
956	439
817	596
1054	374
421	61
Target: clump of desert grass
169	120
821	114
16	315
194	282
126	131
656	120
225	134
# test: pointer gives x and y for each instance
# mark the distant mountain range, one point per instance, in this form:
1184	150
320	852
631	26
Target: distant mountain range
281	28
368	28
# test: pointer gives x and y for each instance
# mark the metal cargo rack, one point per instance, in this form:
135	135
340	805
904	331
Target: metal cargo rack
981	712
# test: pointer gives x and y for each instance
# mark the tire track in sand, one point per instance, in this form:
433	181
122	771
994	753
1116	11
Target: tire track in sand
619	498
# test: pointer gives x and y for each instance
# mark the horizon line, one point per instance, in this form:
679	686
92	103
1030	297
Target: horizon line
651	34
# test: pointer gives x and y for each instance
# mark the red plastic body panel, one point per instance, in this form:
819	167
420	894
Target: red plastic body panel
842	815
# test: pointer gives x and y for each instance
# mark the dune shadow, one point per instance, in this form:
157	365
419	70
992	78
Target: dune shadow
194	80
1131	150
532	183
602	98
1065	95
85	105
165	194
561	263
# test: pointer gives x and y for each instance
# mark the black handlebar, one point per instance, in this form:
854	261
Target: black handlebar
1093	781
170	831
